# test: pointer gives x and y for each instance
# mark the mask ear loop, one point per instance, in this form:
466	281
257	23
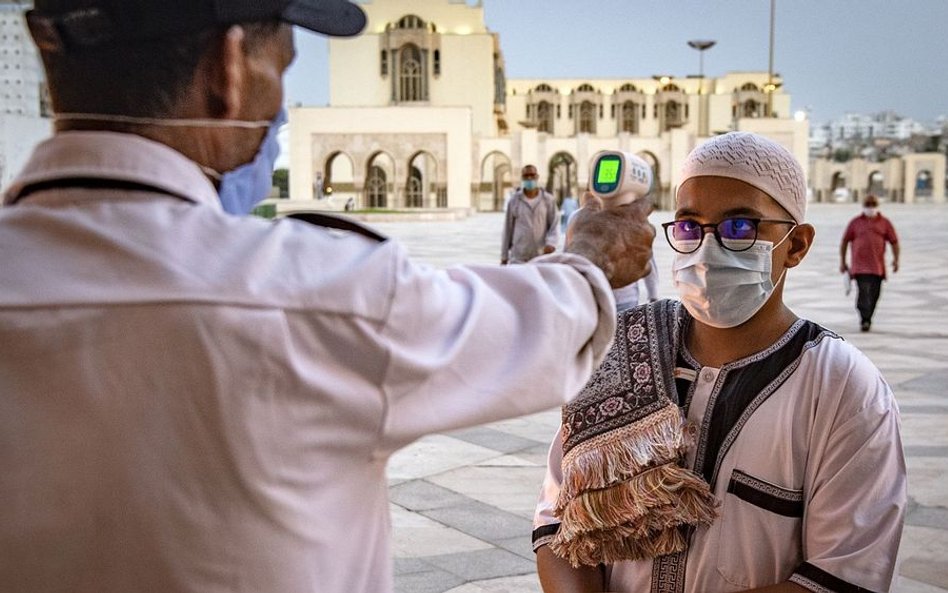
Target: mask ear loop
780	242
783	274
157	121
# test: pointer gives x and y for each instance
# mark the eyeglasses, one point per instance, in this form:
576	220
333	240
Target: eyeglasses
733	234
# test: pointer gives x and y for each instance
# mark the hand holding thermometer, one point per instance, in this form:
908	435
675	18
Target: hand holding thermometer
612	229
619	178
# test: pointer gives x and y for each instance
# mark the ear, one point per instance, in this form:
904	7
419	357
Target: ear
800	241
225	72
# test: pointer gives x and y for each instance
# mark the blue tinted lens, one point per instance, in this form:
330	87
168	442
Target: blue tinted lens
686	230
737	229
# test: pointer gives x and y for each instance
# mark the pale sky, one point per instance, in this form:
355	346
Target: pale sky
836	56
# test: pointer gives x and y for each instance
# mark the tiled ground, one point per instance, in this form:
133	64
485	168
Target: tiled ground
462	502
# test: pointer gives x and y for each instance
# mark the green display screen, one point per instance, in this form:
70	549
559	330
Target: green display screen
608	170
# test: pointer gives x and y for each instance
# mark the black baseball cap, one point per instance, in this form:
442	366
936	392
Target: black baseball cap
87	23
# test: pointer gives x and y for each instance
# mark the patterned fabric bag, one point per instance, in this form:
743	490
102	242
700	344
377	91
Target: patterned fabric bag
625	495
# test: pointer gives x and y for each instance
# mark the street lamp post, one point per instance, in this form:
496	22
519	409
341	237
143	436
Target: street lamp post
701	45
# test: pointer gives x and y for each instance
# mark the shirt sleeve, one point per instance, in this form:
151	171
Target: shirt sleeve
856	492
553	224
651	281
849	234
477	344
508	230
545	524
890	235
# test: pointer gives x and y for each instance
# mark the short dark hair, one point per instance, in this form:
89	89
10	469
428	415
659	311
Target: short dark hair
142	79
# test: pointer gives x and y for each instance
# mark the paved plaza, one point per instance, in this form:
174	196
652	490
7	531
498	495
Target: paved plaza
462	502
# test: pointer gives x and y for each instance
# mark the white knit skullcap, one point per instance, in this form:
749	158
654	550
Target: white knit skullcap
755	160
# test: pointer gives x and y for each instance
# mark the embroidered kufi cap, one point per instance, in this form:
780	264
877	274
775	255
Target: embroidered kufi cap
755	160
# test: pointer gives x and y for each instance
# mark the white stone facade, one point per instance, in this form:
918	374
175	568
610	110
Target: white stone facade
418	59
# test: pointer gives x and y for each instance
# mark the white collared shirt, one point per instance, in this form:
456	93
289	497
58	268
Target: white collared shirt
812	484
193	401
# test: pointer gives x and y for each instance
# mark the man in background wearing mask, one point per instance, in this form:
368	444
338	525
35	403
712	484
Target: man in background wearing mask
726	444
868	233
192	399
531	226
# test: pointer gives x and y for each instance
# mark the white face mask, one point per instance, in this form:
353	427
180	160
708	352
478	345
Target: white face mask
870	212
723	288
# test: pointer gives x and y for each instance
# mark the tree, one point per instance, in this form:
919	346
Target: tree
841	155
281	180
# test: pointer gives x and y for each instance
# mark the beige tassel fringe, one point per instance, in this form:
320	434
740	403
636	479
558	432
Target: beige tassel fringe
624	497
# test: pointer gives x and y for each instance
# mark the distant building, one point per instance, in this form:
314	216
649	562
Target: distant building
857	154
886	124
422	116
24	104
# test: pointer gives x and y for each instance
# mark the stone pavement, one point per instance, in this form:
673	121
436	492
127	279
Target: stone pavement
462	502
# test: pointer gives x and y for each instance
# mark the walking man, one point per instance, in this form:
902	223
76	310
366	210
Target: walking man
531	227
868	233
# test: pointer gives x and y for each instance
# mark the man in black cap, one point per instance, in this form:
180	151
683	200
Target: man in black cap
198	400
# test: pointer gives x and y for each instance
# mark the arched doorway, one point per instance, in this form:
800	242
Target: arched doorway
414	189
421	190
376	192
380	169
338	176
496	180
876	184
924	184
561	179
839	192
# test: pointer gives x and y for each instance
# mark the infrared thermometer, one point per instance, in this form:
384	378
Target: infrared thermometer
619	177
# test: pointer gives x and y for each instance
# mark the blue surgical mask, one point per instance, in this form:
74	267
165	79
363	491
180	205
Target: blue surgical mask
529	184
241	189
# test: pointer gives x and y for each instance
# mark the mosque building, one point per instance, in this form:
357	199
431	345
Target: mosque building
422	116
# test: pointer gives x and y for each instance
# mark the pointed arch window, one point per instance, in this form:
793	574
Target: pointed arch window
375	187
545	117
630	118
750	108
587	118
414	192
411	75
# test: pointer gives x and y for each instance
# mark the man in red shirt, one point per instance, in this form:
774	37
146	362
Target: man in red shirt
868	233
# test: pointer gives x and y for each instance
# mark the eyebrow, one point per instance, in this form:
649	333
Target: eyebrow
733	212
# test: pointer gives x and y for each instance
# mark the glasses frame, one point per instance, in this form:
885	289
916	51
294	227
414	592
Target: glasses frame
717	233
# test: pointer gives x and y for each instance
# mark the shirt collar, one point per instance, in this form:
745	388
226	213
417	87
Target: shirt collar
117	156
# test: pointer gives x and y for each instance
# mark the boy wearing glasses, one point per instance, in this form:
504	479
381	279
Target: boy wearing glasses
726	444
